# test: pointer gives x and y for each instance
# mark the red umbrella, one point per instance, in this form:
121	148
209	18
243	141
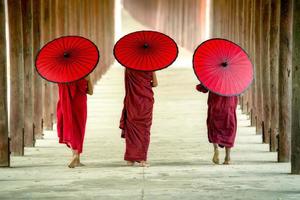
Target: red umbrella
146	51
67	59
223	67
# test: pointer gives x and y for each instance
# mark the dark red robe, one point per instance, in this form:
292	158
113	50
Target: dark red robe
221	118
136	116
72	114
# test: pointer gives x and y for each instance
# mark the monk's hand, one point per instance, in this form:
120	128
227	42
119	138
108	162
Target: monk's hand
154	81
90	89
154	84
87	78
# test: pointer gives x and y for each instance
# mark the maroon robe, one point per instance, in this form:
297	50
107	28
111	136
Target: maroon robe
221	118
72	114
136	116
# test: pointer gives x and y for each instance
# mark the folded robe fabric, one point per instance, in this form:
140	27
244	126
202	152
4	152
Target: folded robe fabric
136	119
221	118
72	114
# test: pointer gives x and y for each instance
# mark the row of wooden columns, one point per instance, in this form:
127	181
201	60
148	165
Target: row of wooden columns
33	23
264	28
176	18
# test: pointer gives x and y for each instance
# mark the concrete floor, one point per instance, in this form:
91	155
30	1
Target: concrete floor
180	155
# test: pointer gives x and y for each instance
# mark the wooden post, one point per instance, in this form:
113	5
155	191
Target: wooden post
95	12
16	77
28	72
4	141
243	98
265	69
258	46
38	85
285	79
53	86
237	21
47	92
60	18
274	58
252	57
91	21
295	158
248	49
241	22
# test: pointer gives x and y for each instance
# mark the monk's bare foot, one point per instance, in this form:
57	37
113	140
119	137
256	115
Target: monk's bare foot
226	161
73	162
144	164
78	163
130	163
216	158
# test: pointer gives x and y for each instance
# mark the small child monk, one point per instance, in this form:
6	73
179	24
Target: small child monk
72	115
136	119
221	122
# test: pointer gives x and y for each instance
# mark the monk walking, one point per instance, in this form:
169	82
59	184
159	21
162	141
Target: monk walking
136	116
72	115
221	122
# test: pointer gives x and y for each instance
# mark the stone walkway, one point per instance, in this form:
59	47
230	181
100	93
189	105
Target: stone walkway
180	155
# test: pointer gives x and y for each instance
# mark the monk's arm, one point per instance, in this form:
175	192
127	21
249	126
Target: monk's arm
90	85
154	80
201	88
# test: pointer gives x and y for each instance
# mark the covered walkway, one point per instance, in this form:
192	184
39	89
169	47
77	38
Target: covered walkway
180	155
35	165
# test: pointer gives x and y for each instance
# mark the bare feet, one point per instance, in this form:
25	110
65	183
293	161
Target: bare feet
73	162
226	161
144	164
216	157
130	163
78	163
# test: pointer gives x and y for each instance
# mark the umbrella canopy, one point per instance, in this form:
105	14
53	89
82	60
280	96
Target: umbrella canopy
67	59
146	51
223	67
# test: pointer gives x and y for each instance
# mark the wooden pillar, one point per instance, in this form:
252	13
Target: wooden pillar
252	57
91	23
95	12
235	16
243	98
47	92
285	79
84	25
74	22
248	44
241	23
81	18
265	66
258	54
16	77
28	72
247	47
216	22
274	58
231	20
237	21
60	18
179	19
111	36
52	35
37	80
295	158
100	37
66	16
4	140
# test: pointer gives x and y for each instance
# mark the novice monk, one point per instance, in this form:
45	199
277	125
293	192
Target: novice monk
72	114
221	122
136	116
